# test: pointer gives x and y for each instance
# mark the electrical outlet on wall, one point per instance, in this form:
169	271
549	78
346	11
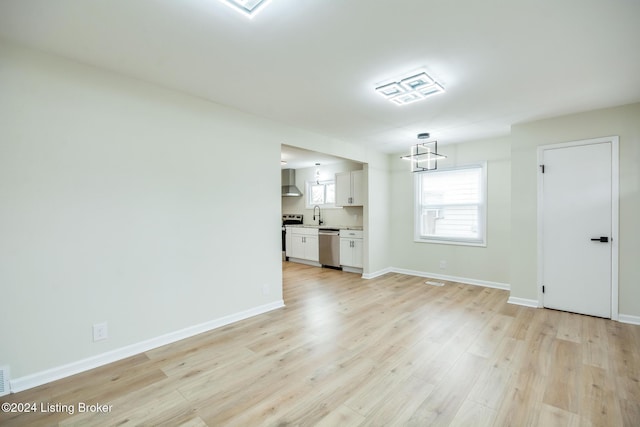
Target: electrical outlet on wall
100	331
443	264
266	289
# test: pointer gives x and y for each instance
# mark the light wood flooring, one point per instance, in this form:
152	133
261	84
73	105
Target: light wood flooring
392	351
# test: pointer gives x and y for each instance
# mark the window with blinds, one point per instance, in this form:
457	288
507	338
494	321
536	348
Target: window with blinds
451	205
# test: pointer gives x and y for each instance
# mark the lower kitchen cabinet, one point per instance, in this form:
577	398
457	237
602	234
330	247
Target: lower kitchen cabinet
303	243
351	248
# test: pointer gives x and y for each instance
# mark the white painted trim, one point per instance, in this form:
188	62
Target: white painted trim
465	280
349	269
627	318
615	226
305	262
539	222
53	374
483	211
377	273
524	302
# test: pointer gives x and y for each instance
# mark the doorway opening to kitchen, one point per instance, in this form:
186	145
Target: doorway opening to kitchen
323	205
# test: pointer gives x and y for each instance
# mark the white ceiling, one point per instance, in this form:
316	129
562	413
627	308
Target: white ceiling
298	158
314	64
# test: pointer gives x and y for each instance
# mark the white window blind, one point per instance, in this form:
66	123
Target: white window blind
451	205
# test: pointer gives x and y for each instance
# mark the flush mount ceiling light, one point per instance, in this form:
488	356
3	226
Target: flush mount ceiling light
249	8
424	156
407	90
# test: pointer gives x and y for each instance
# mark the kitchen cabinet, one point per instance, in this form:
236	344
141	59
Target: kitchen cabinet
351	249
302	243
350	188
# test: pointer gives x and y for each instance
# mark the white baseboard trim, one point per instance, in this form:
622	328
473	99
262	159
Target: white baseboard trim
53	374
465	280
305	261
523	301
627	318
377	273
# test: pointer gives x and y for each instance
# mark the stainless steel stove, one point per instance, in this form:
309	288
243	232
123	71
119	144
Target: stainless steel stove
288	219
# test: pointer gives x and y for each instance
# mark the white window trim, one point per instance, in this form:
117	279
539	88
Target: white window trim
482	222
308	185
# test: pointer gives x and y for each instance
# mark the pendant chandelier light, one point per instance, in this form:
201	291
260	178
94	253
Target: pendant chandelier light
424	156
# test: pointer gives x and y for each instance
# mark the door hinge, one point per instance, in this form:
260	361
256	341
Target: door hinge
543	289
542	168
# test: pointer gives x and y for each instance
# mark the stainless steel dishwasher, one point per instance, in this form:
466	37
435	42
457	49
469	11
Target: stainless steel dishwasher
329	245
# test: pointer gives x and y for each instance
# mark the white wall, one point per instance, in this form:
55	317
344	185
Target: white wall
488	264
120	203
377	225
124	202
623	121
349	216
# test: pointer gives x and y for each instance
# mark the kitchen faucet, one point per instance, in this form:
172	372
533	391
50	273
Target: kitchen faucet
320	221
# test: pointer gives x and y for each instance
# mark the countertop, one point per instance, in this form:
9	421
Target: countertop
339	227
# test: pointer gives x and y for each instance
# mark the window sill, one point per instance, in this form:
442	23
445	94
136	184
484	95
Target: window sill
451	242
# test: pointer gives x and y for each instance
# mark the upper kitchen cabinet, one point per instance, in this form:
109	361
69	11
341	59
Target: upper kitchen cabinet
350	188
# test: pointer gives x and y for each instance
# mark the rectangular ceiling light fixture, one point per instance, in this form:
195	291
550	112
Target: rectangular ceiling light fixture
407	90
249	8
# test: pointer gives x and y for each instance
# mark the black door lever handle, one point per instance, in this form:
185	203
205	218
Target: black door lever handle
602	239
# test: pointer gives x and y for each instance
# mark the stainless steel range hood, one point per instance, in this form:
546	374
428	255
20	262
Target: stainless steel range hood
289	188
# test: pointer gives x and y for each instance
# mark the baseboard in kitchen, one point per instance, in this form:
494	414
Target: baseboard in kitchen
305	261
352	270
377	273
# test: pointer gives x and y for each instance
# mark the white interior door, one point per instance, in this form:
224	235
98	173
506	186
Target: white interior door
576	227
